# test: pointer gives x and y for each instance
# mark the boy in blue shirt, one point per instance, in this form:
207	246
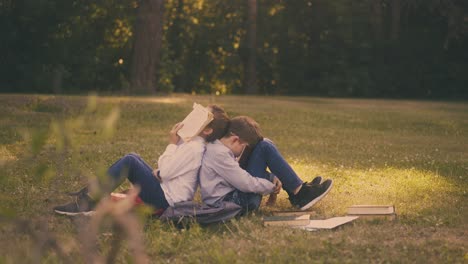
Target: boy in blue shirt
222	178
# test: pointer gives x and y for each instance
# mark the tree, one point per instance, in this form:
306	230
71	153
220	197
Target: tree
387	48
377	19
396	14
250	69
174	39
147	46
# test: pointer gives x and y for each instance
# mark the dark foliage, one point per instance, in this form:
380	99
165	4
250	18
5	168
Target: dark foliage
370	48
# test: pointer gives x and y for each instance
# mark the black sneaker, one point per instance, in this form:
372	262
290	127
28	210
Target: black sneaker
83	204
317	180
83	191
310	194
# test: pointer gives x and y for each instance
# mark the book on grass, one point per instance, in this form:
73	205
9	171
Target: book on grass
288	220
373	211
292	213
328	223
195	122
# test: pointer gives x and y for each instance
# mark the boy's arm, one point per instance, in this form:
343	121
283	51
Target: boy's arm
178	160
227	167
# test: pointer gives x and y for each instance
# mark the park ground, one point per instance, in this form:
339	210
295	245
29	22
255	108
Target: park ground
412	154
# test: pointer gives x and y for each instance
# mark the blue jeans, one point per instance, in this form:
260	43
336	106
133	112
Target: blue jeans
265	155
135	169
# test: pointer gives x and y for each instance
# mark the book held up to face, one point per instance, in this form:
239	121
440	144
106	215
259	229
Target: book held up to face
195	122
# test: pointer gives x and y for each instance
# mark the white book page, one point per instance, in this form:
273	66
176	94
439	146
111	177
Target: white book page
193	122
329	223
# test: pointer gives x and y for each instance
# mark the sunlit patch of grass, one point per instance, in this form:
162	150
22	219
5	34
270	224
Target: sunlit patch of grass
178	99
6	155
165	100
414	192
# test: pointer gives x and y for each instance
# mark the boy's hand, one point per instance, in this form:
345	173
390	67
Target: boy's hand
173	137
277	184
271	199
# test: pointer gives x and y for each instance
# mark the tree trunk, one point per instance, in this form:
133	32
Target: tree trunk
377	69
377	19
147	46
174	39
250	71
396	13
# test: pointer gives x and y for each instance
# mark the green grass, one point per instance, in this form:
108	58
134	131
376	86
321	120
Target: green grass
408	153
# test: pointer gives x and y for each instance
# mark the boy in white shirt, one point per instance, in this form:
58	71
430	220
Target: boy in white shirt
174	181
222	179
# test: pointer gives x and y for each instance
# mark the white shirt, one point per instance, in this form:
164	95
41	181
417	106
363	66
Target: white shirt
220	174
178	168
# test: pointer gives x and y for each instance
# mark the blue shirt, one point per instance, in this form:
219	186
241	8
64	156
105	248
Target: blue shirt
220	174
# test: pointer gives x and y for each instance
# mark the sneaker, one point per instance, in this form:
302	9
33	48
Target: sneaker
83	191
315	181
310	194
83	205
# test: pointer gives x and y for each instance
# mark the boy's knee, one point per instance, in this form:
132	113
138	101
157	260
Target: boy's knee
130	158
265	144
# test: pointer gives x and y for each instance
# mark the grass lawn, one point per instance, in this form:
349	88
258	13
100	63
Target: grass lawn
413	154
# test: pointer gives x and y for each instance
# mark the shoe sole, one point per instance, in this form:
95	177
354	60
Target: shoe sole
314	201
89	213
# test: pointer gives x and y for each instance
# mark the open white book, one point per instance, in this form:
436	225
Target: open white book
195	122
287	220
329	223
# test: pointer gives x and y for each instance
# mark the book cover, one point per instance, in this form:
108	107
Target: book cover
371	217
292	213
195	122
371	210
289	220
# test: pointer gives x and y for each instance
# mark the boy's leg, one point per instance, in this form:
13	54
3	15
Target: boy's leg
120	170
248	201
135	169
130	166
266	155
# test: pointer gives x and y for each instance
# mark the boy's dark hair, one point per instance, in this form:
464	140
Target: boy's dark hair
219	124
246	129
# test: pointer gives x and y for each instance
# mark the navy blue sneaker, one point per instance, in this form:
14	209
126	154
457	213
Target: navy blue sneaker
83	204
315	181
309	195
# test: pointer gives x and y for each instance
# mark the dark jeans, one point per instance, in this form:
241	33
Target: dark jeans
135	169
265	155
